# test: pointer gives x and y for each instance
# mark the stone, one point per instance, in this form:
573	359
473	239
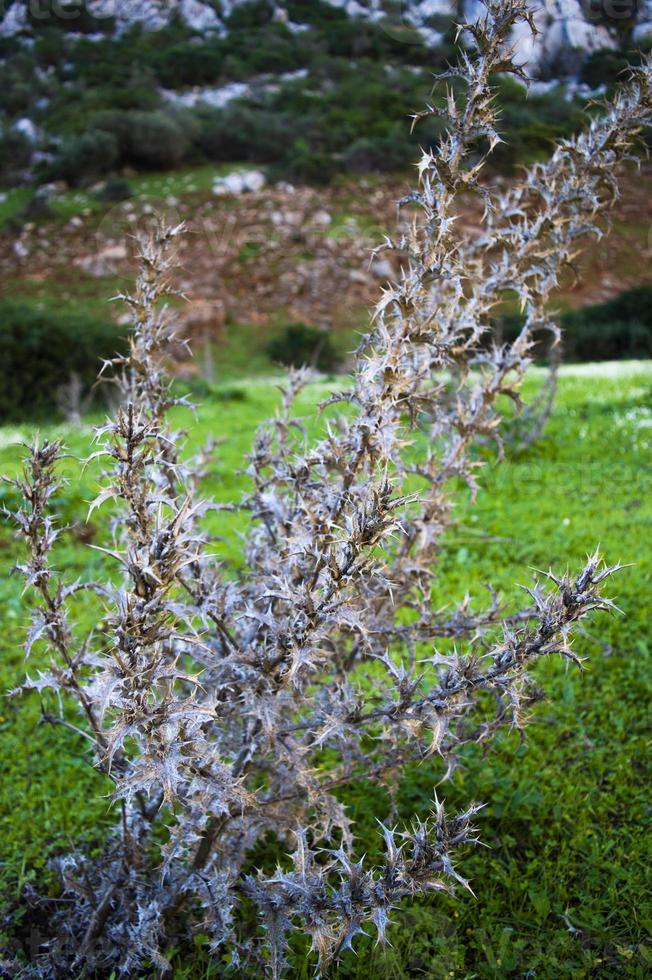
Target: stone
322	218
27	129
239	182
104	263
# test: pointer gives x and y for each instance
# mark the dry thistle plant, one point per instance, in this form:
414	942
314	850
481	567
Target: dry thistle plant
230	707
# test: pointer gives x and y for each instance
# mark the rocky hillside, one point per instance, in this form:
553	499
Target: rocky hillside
568	28
294	253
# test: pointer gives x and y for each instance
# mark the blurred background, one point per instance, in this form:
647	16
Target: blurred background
280	132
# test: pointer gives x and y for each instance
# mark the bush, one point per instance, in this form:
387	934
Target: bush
42	350
188	64
307	165
156	140
384	153
604	67
618	329
85	157
15	155
153	140
530	124
298	344
114	190
245	134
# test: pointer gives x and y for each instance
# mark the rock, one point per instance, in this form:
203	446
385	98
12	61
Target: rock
105	263
322	218
292	219
239	182
14	21
54	188
27	129
199	16
215	96
254	180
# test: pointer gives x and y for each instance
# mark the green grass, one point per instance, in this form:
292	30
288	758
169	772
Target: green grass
563	889
13	202
155	186
240	351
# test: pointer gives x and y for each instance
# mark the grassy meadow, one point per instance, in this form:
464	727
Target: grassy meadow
563	887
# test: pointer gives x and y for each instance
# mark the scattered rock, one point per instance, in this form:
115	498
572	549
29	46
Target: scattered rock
103	263
217	97
27	129
54	189
292	219
239	182
322	218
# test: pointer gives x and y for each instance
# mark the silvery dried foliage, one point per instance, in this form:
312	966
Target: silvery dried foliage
231	706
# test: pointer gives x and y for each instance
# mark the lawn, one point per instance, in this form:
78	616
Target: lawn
155	186
563	887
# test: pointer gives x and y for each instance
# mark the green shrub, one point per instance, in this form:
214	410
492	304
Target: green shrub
307	165
381	154
16	93
530	124
256	13
299	344
245	133
85	157
618	329
116	189
156	140
188	64
41	351
152	140
604	67
15	155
